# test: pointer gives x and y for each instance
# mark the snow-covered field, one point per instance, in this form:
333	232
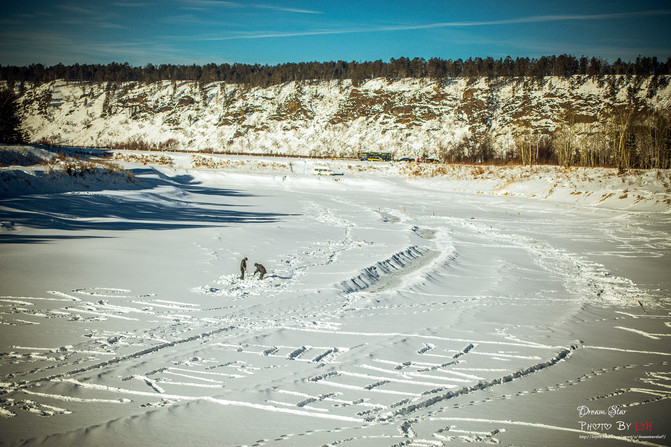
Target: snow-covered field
404	304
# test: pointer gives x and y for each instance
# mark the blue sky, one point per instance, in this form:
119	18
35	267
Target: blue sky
273	32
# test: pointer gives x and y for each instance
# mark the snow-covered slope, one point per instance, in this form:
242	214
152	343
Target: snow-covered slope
29	170
409	117
32	170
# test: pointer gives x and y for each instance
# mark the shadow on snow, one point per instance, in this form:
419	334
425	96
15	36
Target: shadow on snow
150	209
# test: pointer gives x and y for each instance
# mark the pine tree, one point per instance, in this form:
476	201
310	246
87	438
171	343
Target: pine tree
10	121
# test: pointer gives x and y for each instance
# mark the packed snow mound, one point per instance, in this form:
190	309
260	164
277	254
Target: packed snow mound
23	156
386	273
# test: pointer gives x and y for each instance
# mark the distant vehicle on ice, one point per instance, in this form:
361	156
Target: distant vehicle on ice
323	169
375	156
406	159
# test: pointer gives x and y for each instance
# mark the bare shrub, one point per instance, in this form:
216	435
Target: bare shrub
170	144
477	171
144	158
49	141
134	144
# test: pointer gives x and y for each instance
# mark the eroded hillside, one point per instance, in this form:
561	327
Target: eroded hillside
410	117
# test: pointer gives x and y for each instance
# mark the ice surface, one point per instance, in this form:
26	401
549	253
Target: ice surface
398	307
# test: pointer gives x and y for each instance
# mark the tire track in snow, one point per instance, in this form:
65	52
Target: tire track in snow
482	385
116	360
582	277
223	402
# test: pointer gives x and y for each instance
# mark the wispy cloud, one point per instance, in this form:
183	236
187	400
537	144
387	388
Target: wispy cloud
76	15
133	4
190	19
200	4
34	46
76	9
284	9
545	18
512	21
54	47
189	30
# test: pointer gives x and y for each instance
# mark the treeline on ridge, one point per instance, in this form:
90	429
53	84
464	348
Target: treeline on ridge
257	75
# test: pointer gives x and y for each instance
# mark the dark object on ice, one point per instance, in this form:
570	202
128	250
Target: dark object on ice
260	269
375	156
243	268
641	304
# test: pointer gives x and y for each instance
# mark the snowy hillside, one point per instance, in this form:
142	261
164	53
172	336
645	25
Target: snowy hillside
409	117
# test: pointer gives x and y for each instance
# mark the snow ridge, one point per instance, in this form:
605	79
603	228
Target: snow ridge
379	276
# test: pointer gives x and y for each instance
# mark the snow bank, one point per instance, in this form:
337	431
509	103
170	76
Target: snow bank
34	170
30	170
636	190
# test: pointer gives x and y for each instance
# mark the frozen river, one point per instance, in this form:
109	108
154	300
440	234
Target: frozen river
393	313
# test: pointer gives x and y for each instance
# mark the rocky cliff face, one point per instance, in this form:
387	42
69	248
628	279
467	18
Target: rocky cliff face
409	117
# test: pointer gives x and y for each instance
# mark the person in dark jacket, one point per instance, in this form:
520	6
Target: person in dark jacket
260	269
243	268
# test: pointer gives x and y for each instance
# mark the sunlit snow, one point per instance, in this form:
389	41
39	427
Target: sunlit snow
404	304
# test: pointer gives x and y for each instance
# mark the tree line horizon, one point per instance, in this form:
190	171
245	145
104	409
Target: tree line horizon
629	136
257	75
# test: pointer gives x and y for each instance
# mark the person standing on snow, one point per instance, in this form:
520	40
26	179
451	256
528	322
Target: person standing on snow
243	268
259	269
